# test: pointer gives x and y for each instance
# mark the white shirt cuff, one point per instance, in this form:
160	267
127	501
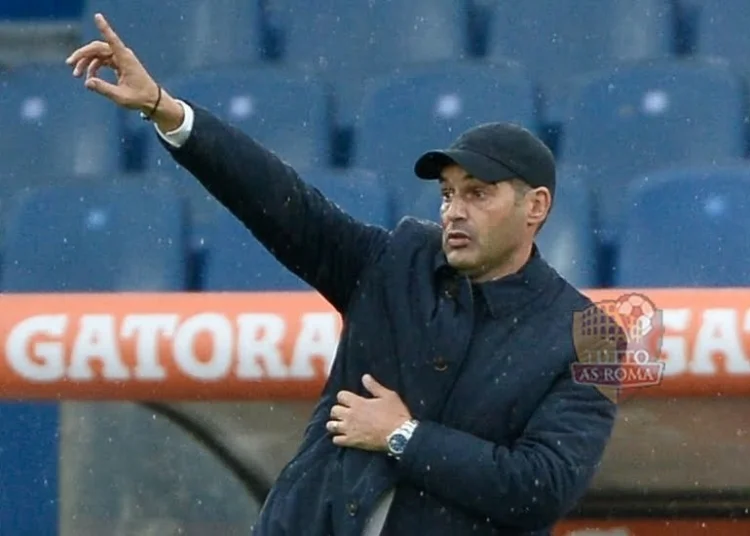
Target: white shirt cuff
177	137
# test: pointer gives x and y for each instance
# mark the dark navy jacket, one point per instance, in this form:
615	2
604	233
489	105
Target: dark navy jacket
508	443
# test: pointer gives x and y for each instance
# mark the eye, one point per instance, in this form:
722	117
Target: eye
446	194
479	193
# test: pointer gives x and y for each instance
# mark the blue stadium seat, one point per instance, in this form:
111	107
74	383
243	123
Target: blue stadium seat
425	204
287	112
40	10
173	36
347	40
359	192
721	32
345	34
51	124
425	108
81	238
236	261
201	204
568	240
30	478
687	227
561	39
632	121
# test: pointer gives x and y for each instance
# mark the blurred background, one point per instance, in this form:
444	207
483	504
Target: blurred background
644	103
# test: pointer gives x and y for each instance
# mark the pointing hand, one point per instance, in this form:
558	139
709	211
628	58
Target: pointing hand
135	89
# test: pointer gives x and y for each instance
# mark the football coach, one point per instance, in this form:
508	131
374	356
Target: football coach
450	408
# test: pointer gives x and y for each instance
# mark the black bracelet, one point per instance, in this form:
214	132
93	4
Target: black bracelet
147	117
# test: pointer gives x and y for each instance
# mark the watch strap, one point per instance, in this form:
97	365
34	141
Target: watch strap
407	431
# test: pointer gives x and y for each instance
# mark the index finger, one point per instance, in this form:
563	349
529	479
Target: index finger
345	398
108	33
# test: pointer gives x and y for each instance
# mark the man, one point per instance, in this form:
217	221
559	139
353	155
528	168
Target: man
450	407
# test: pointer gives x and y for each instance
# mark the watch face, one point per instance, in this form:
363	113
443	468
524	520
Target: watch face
397	443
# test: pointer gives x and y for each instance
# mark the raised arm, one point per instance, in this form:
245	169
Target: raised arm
306	232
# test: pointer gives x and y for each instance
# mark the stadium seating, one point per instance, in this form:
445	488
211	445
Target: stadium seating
359	192
561	39
425	108
80	238
636	119
235	260
568	239
172	36
52	125
349	41
40	10
687	227
644	102
29	480
286	111
721	32
341	34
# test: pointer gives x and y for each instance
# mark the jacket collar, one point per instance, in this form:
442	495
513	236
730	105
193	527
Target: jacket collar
508	294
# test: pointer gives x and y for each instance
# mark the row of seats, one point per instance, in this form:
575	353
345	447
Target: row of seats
556	39
684	227
345	41
620	124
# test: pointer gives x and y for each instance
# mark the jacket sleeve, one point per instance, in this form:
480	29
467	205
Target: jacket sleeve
305	231
530	485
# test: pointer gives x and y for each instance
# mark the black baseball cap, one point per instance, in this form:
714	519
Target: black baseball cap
495	152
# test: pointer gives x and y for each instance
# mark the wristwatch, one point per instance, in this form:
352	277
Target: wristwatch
398	439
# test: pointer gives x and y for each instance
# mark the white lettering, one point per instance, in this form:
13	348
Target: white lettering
218	365
641	357
47	362
259	346
96	340
146	330
317	338
674	348
718	334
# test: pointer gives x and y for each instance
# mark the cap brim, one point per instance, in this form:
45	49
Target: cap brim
431	164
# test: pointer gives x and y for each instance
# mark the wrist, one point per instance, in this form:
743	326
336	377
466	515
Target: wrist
399	438
164	111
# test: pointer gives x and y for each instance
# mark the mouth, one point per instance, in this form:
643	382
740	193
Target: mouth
457	239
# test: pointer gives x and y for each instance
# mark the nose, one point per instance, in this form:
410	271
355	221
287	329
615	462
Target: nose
455	209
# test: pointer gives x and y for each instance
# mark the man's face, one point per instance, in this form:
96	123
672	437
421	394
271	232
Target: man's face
483	224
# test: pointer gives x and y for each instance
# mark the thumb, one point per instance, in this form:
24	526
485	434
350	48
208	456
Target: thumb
374	387
97	85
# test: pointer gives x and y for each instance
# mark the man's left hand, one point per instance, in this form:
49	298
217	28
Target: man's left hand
365	423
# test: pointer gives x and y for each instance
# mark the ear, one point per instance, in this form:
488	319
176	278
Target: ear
540	201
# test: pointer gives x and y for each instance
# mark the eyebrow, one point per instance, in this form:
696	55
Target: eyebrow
441	179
